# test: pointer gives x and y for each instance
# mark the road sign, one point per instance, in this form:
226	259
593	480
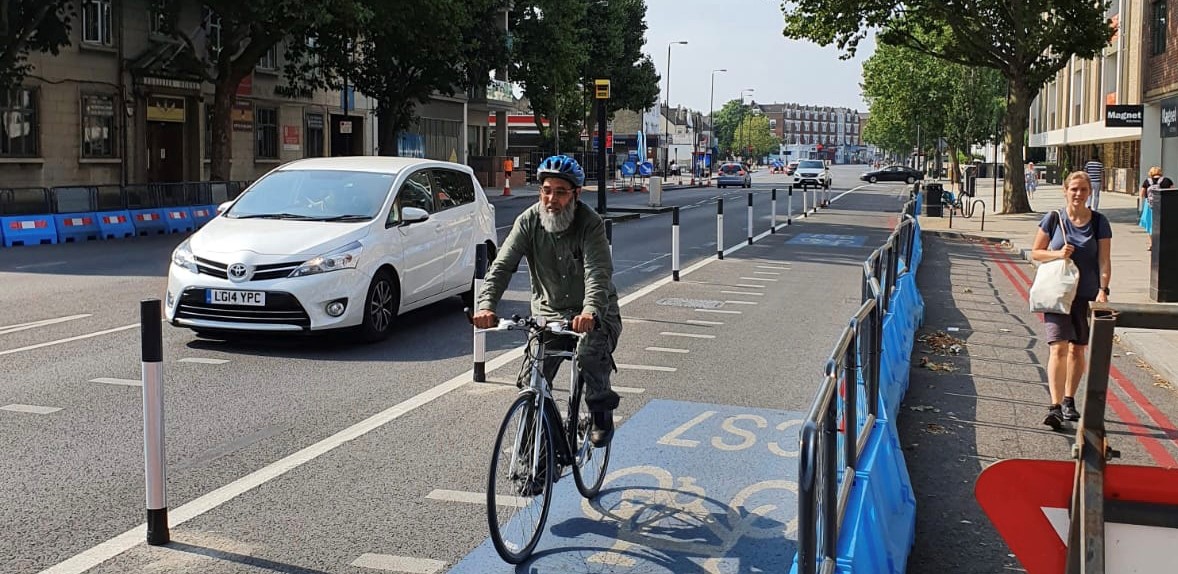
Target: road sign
601	89
1027	501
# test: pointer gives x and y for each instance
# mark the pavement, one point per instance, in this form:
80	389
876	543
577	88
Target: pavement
1131	260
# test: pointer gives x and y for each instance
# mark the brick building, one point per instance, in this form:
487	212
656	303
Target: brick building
1159	45
803	128
113	107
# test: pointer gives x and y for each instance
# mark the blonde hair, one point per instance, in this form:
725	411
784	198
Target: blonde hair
1155	171
1079	176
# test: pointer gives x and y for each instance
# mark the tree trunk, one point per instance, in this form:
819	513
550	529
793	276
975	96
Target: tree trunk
386	132
954	167
220	165
1014	193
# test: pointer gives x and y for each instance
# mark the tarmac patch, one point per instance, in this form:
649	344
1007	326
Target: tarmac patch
690	488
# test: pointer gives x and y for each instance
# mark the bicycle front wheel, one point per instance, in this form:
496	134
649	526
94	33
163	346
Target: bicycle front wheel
589	462
519	488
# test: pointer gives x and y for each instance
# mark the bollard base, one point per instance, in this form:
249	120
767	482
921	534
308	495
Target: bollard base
157	527
480	372
675	275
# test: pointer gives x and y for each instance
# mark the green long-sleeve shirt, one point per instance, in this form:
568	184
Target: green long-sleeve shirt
571	271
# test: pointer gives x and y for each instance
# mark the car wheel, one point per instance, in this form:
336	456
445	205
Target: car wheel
380	308
872	179
910	180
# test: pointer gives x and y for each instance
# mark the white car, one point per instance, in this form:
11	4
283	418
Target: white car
812	172
328	243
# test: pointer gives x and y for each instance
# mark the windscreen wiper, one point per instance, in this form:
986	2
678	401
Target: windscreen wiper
275	216
347	217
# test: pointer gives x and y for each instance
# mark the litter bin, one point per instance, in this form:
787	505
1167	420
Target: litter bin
933	205
656	191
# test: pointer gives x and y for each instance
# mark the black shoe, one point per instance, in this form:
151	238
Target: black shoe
1054	418
603	428
1068	409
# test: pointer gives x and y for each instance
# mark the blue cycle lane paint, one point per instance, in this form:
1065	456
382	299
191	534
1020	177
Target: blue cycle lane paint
690	488
828	240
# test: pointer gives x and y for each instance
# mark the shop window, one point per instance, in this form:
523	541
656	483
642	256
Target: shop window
266	133
314	128
18	120
98	127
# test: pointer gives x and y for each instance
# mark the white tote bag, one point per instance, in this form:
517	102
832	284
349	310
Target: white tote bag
1055	282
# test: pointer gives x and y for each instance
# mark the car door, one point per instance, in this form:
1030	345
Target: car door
454	198
422	246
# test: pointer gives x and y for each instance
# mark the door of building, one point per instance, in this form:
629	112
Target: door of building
347	135
165	152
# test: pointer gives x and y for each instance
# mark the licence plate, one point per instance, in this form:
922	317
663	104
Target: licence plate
227	297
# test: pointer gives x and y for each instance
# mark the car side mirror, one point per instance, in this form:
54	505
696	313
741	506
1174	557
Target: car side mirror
411	215
224	207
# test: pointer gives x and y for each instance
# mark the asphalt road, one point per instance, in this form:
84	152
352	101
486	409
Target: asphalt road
308	454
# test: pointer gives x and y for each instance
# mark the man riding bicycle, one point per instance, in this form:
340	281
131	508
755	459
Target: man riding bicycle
571	275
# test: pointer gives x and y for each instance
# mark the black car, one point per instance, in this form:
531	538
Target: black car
893	173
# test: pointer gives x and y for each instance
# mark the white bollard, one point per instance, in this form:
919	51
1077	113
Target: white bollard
480	339
675	243
773	211
750	221
719	228
154	459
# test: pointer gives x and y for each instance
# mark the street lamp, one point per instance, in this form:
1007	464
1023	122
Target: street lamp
742	117
711	112
667	109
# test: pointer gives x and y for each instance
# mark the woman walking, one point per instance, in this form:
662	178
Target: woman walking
1149	189
1084	235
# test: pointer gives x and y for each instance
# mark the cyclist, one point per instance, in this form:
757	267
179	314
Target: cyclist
571	275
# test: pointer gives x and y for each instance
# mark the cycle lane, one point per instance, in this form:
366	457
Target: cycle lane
405	488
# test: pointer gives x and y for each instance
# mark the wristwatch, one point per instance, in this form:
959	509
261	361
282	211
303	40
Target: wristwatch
1104	290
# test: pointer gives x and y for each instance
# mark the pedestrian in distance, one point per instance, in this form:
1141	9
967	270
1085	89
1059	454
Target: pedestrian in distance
1084	235
1149	193
1031	179
571	272
1095	171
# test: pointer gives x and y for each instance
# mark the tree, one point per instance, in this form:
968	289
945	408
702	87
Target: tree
754	138
1027	41
615	31
30	26
247	31
727	119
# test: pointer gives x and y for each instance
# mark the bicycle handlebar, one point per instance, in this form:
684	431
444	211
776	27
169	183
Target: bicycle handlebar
518	323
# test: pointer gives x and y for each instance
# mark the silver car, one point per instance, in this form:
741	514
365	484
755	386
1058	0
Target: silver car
812	172
733	174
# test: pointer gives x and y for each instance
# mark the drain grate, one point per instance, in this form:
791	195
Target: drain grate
692	303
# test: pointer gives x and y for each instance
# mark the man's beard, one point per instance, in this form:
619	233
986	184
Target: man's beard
559	221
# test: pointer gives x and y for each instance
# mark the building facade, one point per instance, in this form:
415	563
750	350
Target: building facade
826	132
1068	116
114	107
1159	47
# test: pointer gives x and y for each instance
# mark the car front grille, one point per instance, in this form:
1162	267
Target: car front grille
281	309
261	272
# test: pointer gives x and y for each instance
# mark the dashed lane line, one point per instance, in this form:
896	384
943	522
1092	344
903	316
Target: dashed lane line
667	350
749	293
719	311
204	361
30	409
475	498
703	322
403	564
647	368
70	339
123	382
687	335
42	323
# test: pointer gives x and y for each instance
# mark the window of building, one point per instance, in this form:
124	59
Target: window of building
269	60
208	131
98	126
440	136
96	22
157	20
772	124
212	28
1157	28
266	133
314	129
18	116
1077	97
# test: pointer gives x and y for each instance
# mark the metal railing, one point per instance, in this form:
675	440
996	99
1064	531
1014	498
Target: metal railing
826	471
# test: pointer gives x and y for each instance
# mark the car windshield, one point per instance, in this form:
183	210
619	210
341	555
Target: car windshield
320	195
730	168
810	164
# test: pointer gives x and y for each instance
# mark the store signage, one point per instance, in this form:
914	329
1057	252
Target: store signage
1170	118
1123	116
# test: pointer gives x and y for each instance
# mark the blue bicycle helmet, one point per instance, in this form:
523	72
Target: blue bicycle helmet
561	166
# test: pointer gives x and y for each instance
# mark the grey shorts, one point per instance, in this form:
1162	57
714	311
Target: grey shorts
1073	327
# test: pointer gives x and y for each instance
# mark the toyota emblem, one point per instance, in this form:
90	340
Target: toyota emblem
238	271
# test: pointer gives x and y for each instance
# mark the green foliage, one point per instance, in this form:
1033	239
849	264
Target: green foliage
28	26
727	119
754	138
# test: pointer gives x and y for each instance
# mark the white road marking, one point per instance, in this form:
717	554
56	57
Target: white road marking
840	196
647	368
71	339
720	311
32	409
688	335
204	361
124	382
743	293
757	279
628	390
404	564
702	322
475	498
747	286
766	272
46	264
667	350
42	323
772	267
742	302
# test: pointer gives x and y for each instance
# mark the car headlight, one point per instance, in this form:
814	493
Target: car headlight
182	257
343	258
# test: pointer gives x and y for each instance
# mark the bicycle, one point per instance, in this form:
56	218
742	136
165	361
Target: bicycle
535	445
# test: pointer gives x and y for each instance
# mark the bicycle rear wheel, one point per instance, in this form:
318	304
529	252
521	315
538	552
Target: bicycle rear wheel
519	487
589	462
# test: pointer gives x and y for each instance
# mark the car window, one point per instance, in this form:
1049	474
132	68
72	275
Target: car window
320	194
730	168
452	188
415	192
811	164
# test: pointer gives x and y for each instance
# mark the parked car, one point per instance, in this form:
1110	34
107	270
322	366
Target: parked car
329	243
812	172
733	174
791	167
893	173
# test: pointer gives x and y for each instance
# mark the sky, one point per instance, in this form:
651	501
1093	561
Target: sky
744	36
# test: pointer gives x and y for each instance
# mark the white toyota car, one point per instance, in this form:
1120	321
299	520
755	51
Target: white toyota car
329	243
